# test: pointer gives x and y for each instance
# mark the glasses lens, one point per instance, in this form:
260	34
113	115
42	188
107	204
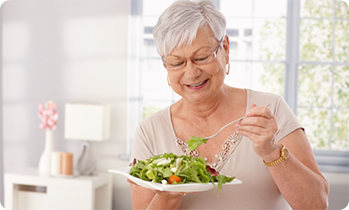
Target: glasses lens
202	58
173	62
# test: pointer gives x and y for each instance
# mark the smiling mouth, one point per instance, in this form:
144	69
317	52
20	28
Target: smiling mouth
198	84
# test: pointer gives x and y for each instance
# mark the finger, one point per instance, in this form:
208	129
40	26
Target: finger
259	137
249	135
253	105
167	194
259	121
258	126
260	111
262	133
250	129
131	182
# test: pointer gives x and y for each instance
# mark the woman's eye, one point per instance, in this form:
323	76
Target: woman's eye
201	58
177	64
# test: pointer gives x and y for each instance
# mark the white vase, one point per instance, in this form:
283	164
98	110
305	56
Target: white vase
45	159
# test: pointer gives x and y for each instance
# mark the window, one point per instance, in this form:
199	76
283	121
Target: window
295	48
232	32
323	75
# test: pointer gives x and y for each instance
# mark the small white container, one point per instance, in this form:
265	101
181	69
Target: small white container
56	163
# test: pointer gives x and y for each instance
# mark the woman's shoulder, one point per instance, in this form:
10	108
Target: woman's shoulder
261	94
158	118
262	98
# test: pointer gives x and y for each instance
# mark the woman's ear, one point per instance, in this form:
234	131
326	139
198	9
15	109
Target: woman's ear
226	47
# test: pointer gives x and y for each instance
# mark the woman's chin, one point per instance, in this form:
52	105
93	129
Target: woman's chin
196	98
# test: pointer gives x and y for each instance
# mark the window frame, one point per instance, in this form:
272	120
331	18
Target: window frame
329	161
1	117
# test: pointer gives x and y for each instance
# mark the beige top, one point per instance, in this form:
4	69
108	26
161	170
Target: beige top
155	135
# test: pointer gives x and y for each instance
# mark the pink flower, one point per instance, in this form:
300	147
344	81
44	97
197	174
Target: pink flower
48	115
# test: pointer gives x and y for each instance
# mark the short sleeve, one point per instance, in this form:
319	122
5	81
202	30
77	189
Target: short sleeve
286	119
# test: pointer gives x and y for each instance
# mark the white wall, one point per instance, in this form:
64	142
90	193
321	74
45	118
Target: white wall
339	190
65	51
1	145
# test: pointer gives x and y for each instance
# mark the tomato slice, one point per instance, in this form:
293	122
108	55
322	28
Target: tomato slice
174	178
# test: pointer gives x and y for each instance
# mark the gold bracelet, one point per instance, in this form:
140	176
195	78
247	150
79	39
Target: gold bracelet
283	156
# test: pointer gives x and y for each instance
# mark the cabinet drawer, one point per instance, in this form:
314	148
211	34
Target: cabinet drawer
28	200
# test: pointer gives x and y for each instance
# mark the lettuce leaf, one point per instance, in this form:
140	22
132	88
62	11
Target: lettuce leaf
222	179
194	142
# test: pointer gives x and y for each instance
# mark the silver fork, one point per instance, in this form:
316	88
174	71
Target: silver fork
210	137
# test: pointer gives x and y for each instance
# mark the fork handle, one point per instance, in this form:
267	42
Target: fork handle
210	137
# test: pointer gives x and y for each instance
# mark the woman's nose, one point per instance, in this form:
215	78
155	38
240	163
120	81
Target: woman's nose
191	70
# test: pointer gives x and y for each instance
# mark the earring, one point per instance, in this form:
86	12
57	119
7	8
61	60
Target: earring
168	81
227	72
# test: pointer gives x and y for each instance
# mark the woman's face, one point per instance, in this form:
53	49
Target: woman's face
200	83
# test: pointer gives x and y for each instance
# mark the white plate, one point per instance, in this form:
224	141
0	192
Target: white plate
188	187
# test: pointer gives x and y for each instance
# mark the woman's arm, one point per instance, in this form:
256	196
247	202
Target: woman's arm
143	198
298	178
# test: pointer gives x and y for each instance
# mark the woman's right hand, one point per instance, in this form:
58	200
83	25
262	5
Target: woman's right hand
164	194
144	198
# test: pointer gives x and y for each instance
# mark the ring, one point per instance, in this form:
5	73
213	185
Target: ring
184	194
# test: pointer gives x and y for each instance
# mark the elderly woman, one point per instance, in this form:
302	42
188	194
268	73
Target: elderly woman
268	150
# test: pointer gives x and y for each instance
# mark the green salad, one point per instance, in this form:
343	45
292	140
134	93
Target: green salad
169	168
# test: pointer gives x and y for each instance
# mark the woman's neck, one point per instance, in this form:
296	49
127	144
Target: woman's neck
219	104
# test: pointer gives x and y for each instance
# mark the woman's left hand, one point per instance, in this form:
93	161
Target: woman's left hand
260	126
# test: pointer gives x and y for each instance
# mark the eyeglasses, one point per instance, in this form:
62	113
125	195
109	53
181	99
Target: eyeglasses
203	56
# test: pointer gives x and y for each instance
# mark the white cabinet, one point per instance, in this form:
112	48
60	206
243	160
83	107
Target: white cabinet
28	190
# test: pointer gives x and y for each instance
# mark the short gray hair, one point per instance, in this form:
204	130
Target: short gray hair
179	23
